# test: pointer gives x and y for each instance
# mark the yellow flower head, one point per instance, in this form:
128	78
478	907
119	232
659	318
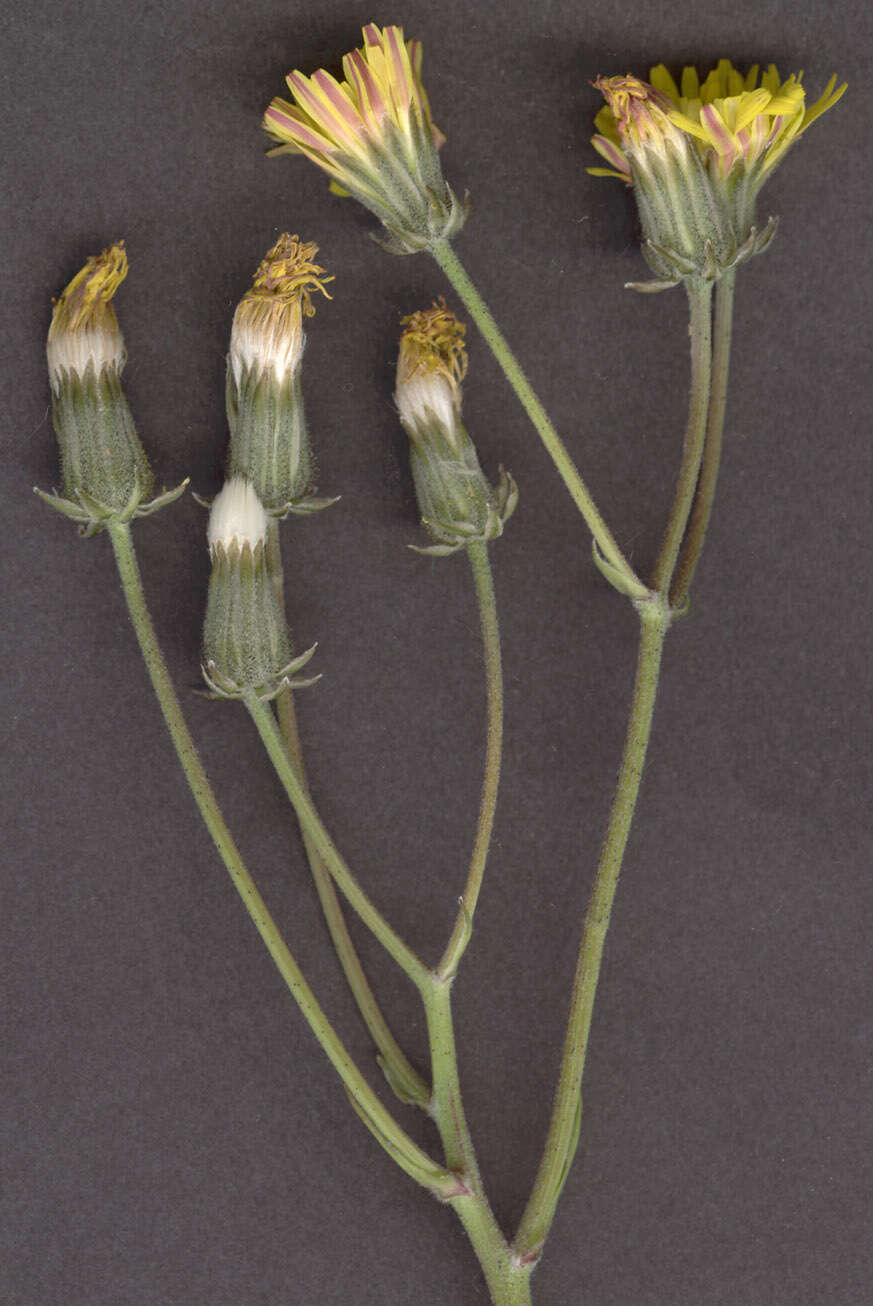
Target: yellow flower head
84	328
431	365
268	323
697	155
373	134
734	122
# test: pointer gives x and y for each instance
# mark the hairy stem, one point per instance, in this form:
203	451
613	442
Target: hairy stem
564	1128
700	330
579	492
478	554
506	1276
267	728
407	1153
709	468
400	1073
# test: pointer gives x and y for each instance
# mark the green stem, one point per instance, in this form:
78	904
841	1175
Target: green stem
400	1073
721	357
579	492
311	822
478	555
564	1128
700	330
506	1276
408	1154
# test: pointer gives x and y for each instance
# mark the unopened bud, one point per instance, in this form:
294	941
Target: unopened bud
237	517
101	456
245	640
457	503
269	444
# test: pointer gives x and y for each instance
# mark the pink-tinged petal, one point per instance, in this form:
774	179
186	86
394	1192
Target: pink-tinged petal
724	142
608	172
776	128
282	120
315	102
716	128
338	99
612	154
372	35
400	68
758	132
373	103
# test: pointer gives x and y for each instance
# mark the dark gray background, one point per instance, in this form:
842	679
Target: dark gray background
175	1137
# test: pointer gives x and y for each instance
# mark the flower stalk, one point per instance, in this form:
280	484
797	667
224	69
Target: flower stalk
709	468
267	728
405	1080
463	928
700	332
451	265
563	1135
414	1160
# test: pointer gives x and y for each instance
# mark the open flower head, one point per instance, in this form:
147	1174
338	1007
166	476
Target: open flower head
697	154
373	134
269	444
457	503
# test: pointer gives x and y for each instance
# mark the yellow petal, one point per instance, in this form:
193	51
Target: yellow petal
690	83
662	80
770	79
750	105
823	103
687	125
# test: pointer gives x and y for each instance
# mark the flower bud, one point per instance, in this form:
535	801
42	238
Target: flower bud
269	444
245	640
106	475
697	158
374	137
457	503
101	455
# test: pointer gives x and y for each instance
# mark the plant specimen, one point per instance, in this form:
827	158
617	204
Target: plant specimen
696	155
